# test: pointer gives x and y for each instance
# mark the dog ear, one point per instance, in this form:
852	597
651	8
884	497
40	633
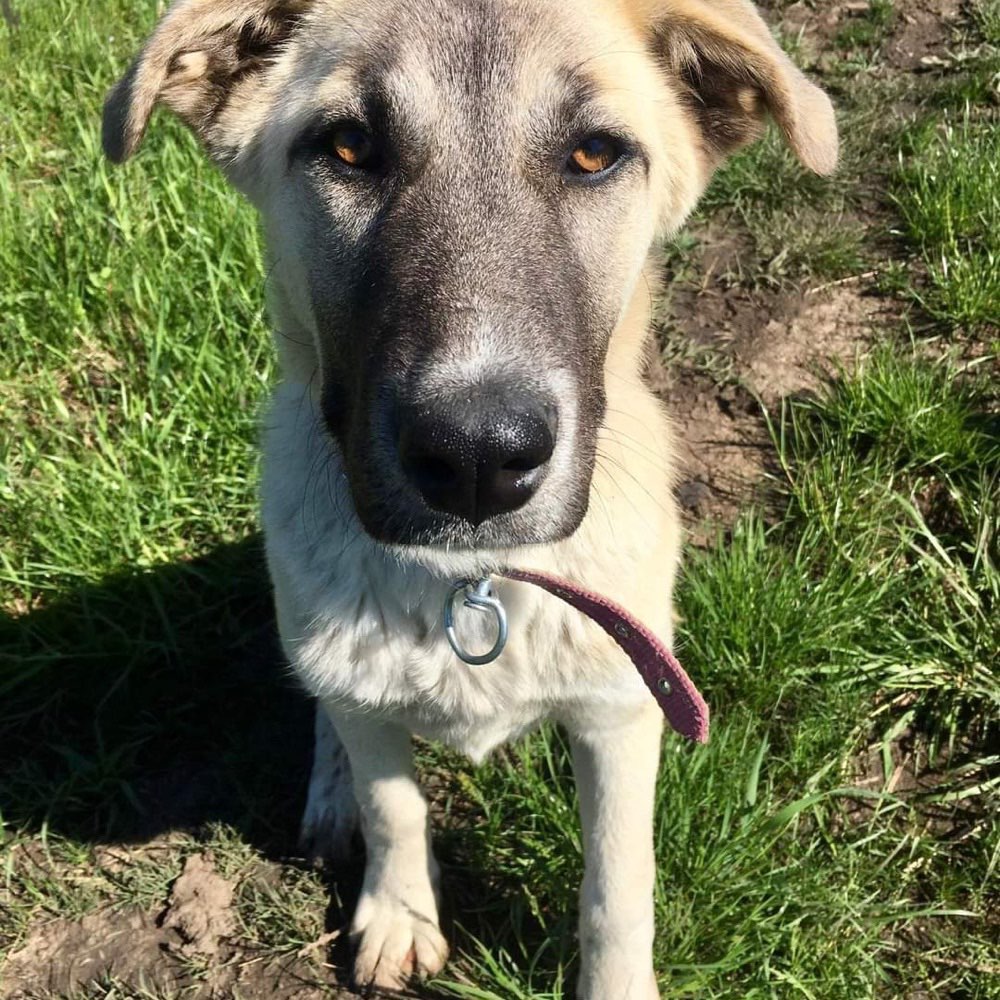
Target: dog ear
199	56
733	73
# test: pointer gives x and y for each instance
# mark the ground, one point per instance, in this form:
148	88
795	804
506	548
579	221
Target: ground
828	351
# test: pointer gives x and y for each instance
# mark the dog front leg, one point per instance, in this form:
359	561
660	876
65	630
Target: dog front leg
395	926
615	766
331	814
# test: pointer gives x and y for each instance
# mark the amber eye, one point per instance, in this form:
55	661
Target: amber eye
353	145
594	155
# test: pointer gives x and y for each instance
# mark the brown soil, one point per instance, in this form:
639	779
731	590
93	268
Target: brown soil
915	41
904	767
61	954
190	946
199	910
772	347
921	31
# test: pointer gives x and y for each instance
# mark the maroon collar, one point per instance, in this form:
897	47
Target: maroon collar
666	679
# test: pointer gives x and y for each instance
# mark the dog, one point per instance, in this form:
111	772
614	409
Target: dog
460	201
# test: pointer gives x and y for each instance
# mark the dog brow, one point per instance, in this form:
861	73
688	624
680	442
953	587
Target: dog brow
372	107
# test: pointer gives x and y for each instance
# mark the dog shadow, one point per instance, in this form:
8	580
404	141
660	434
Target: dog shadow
154	701
159	701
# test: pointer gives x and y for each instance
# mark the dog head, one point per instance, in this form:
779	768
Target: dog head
458	198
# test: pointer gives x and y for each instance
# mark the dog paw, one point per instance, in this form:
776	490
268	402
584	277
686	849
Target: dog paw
395	942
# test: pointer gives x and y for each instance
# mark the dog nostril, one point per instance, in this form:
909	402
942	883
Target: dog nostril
431	472
477	457
522	463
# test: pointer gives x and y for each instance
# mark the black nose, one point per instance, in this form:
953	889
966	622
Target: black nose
478	454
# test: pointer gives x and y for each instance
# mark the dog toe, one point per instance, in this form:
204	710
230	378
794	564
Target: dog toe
395	944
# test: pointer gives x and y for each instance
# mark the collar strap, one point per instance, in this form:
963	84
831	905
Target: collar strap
674	691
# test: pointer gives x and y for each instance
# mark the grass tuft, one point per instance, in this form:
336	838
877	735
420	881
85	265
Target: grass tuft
986	18
947	189
869	28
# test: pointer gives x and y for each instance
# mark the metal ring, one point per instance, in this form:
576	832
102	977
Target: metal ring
479	597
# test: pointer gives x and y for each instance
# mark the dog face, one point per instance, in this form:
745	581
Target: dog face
485	248
458	201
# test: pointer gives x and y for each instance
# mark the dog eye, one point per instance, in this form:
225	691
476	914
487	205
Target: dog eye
594	155
353	146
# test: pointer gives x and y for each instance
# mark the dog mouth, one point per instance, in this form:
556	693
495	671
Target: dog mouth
405	522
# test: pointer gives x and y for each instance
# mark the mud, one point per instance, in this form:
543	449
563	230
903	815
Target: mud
199	910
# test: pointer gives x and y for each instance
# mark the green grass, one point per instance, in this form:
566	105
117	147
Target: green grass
794	226
868	29
986	17
938	159
853	621
130	304
948	193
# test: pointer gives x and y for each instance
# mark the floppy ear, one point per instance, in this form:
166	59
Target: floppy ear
733	73
200	55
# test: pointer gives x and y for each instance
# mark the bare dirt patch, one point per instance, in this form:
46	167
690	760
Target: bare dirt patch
904	767
914	40
921	32
767	347
200	909
62	954
190	946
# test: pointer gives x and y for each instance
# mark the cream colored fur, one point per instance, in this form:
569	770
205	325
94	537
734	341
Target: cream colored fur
360	621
